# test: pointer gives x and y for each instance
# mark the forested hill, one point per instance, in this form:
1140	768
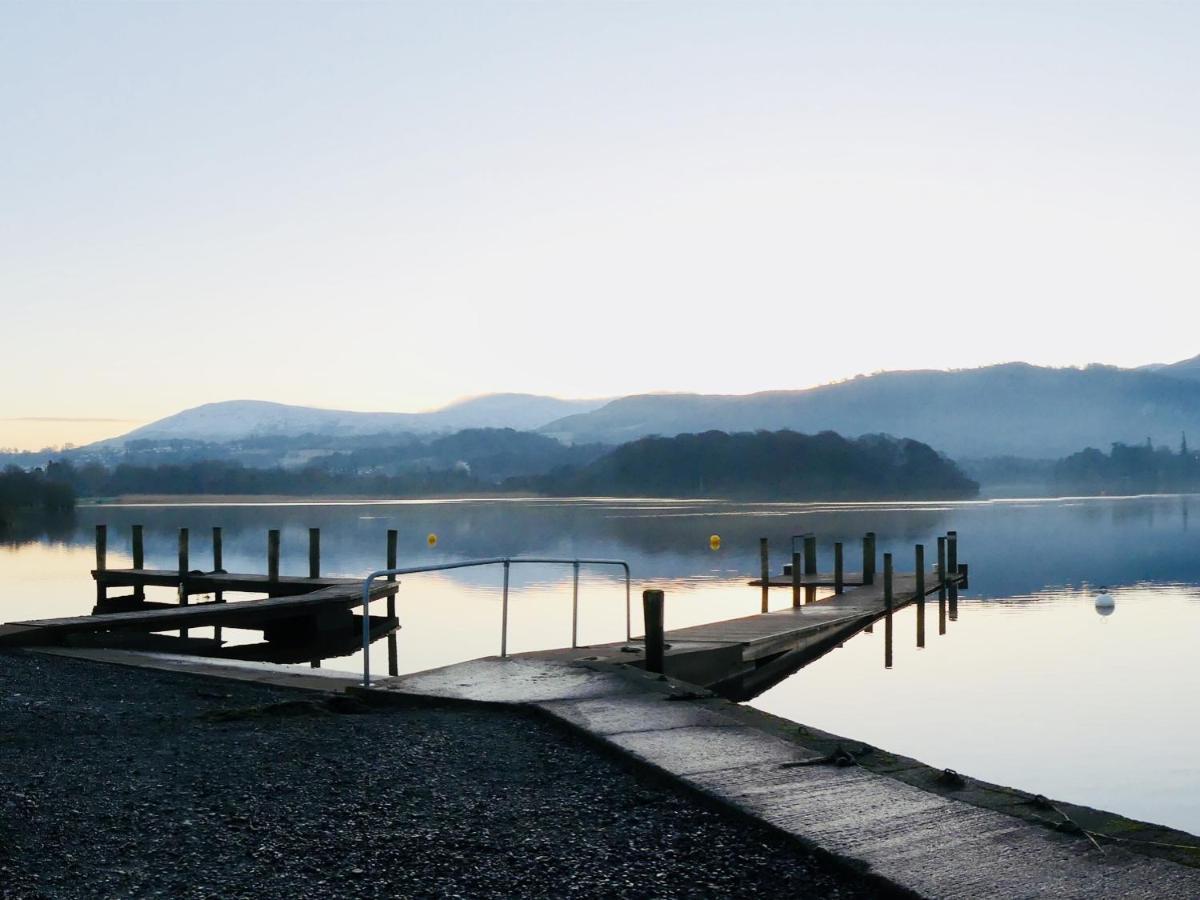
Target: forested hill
778	465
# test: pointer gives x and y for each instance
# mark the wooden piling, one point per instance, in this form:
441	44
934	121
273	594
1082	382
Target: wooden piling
393	538
101	562
888	603
314	553
919	563
764	560
183	571
218	563
868	562
796	567
273	554
810	565
952	572
652	612
941	565
314	571
839	574
138	553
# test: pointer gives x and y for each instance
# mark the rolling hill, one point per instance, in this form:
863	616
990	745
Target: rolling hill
1013	409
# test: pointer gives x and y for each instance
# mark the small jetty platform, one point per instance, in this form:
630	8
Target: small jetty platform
740	658
302	619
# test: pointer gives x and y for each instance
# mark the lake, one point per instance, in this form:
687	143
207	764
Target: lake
1030	687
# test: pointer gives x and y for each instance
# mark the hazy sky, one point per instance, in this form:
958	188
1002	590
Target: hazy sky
387	206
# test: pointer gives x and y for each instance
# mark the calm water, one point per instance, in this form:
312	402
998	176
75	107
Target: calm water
1029	687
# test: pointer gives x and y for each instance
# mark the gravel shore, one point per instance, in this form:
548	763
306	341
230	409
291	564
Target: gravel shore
117	782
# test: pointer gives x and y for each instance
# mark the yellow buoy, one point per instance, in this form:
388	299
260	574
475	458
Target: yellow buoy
431	540
714	542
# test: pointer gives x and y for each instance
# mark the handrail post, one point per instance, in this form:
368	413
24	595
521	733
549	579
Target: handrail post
575	608
101	563
366	629
628	613
919	567
795	578
504	615
393	644
839	566
888	602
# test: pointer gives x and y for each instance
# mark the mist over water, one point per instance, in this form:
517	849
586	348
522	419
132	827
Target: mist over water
1029	687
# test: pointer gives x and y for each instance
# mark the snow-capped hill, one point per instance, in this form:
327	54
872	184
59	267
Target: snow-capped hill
239	419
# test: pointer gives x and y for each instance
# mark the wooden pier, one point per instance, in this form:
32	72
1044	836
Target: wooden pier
740	658
302	619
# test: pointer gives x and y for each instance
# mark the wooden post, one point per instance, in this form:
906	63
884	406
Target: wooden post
952	572
139	559
273	554
941	565
101	563
868	563
652	611
393	537
765	565
218	563
183	571
839	574
796	568
810	565
314	553
314	571
887	605
920	573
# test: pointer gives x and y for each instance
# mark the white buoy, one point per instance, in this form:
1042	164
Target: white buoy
1105	604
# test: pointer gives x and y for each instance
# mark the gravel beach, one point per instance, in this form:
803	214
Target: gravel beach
119	782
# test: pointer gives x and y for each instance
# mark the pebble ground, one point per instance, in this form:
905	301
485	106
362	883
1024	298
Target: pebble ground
118	782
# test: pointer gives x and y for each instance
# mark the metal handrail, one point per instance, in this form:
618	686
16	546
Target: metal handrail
506	561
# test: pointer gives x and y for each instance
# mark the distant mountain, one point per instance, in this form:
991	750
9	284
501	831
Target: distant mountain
1186	368
240	419
1014	409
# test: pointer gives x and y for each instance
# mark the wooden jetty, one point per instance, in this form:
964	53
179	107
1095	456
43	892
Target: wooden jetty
314	617
740	658
302	619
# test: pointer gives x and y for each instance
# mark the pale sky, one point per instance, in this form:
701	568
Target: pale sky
389	206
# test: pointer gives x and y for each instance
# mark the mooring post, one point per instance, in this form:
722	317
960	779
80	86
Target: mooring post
393	538
810	565
839	573
314	553
887	605
218	567
952	571
941	566
273	554
183	570
919	562
652	612
139	559
575	605
764	560
868	562
314	571
796	567
101	563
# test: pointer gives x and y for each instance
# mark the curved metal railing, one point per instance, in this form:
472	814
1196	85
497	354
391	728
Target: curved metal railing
507	562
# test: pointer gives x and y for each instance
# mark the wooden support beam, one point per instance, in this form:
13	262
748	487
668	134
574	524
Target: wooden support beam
393	538
101	561
764	560
273	554
810	565
952	572
796	566
839	569
868	564
941	567
652	612
218	562
888	603
138	548
919	557
183	571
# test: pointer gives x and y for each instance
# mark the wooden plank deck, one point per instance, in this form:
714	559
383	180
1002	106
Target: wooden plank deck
741	657
235	614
